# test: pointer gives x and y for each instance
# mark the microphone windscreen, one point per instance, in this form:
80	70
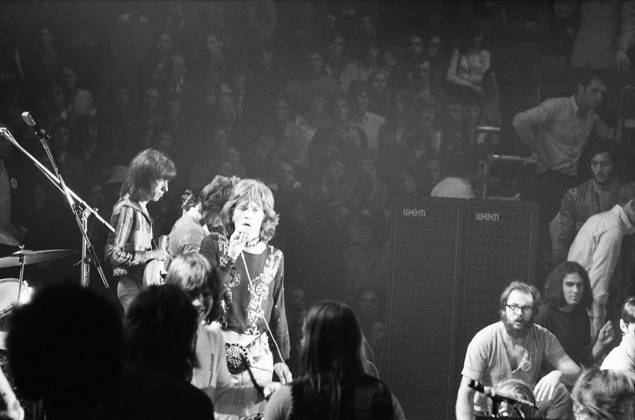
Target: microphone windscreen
28	119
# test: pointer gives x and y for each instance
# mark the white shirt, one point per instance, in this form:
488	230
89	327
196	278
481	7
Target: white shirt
371	124
597	247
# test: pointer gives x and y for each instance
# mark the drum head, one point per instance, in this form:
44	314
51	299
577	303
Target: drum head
9	295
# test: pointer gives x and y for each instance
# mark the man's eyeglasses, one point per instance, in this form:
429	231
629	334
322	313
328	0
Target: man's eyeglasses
524	309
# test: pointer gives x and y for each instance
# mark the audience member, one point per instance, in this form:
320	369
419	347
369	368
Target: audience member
515	348
556	132
335	381
201	283
79	376
597	248
597	195
622	357
159	348
564	312
603	395
517	389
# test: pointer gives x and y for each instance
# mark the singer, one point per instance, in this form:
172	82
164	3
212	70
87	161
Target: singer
129	248
254	320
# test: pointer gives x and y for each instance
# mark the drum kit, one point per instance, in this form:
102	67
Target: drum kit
16	291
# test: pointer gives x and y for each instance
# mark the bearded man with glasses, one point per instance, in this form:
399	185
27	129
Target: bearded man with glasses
515	348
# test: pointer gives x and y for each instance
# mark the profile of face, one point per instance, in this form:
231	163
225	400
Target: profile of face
628	333
602	168
160	188
518	313
248	217
572	289
590	97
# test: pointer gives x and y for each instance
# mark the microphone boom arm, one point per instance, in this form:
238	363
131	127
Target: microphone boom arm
53	178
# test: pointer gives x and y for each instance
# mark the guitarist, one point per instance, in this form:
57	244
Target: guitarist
199	215
130	247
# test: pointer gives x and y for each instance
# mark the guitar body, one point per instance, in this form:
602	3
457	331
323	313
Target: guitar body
154	273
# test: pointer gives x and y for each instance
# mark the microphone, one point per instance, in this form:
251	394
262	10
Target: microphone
490	393
29	121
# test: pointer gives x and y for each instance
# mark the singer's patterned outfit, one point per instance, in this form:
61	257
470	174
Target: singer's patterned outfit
247	304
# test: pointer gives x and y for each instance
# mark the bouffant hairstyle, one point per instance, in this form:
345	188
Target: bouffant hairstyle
247	191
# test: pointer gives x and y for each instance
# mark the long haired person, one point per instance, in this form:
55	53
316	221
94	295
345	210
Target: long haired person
194	275
565	312
334	384
130	247
254	321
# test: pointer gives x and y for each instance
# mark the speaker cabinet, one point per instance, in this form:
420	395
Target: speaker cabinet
451	260
420	362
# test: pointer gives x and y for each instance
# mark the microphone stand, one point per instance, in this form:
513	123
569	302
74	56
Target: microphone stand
76	205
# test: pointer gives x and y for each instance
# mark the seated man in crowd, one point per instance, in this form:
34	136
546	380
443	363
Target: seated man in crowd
516	348
578	204
597	248
622	357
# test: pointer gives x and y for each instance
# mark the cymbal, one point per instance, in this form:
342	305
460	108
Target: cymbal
35	257
8	239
